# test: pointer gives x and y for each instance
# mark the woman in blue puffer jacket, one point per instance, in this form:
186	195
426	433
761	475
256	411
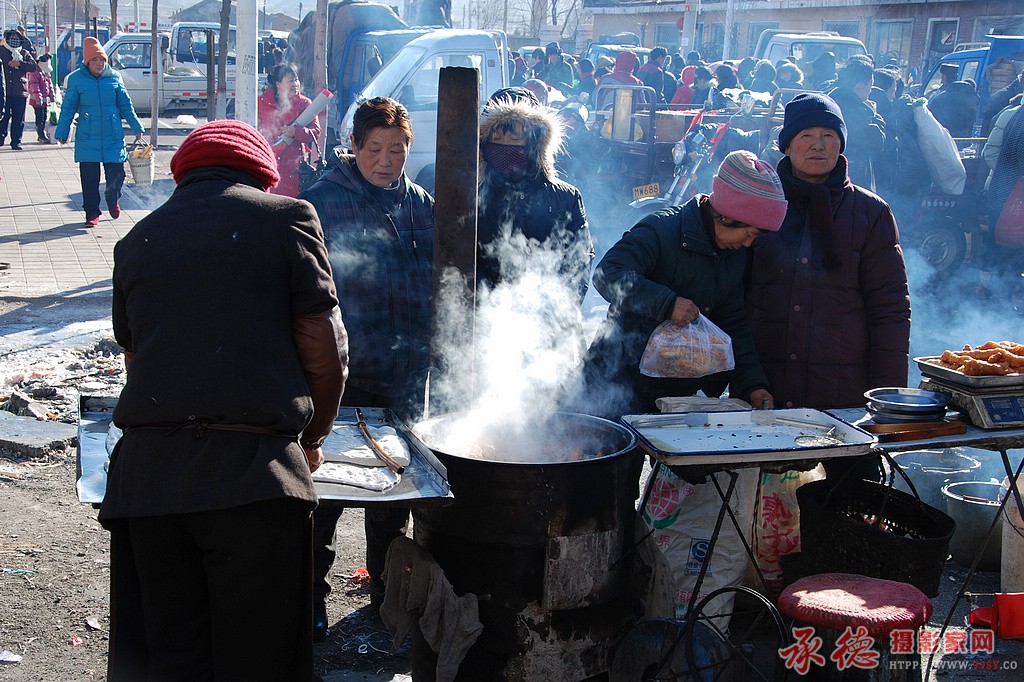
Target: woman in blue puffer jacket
96	93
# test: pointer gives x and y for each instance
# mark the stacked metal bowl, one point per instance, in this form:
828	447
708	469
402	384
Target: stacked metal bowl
900	405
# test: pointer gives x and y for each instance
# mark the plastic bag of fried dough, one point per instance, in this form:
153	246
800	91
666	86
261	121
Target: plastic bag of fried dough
694	350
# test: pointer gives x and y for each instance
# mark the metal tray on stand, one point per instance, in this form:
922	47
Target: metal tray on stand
747	437
423	483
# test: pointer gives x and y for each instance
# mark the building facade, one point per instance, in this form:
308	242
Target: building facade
915	33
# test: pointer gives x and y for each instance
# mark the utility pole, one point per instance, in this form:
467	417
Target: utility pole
246	82
53	34
730	17
320	58
156	67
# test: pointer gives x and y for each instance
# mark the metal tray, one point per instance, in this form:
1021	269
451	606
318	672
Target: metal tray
745	437
929	368
423	484
94	415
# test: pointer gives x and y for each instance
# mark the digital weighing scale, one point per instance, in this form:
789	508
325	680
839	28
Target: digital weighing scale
990	407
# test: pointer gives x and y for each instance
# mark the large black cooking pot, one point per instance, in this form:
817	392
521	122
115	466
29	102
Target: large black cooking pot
539	542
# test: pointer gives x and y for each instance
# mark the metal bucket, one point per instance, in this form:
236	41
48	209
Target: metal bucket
543	545
930	470
973	505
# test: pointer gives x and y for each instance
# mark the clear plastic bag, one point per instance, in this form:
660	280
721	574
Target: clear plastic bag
688	352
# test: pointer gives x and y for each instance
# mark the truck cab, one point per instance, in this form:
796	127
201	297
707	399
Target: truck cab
364	54
411	77
973	60
775	45
188	44
67	60
181	85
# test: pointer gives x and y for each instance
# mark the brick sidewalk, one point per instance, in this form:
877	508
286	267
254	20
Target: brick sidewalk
46	249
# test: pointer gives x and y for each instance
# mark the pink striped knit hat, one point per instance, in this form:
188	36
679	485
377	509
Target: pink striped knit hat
749	190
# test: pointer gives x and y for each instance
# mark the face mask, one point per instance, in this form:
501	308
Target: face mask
45	67
508	159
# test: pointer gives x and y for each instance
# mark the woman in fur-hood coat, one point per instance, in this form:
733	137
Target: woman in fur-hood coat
521	196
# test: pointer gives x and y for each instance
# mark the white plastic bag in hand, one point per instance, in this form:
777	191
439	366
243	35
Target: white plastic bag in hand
690	351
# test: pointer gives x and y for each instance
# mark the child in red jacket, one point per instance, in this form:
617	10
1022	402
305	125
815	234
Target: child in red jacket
41	95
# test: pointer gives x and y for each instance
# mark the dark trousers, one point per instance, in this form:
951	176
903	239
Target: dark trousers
14	119
89	171
219	595
381	524
41	113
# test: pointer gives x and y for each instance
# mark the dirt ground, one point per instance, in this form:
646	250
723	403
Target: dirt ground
54	586
55	558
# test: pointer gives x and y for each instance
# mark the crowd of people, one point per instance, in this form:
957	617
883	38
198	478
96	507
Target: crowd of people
883	148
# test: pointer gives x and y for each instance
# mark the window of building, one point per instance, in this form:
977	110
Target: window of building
667	36
713	42
892	42
850	29
1012	25
942	38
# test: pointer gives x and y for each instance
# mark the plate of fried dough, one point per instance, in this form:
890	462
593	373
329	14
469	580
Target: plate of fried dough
994	363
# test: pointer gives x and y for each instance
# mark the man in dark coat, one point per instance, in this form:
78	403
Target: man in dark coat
956	108
675	265
901	177
17	63
999	100
828	300
236	360
866	128
557	72
652	73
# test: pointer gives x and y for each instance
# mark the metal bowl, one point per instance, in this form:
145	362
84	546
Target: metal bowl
907	401
880	417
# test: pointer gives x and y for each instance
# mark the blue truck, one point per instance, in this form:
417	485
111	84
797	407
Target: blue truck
973	61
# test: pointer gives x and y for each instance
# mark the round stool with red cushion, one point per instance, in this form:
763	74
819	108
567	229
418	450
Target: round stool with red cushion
838	600
833	602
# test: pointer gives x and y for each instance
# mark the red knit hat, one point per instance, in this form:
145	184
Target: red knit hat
749	190
230	143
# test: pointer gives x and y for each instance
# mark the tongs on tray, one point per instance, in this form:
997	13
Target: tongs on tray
375	446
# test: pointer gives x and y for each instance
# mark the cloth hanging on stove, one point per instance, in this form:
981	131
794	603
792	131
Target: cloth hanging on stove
416	591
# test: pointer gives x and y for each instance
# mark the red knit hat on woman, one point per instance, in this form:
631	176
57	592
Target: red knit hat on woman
228	143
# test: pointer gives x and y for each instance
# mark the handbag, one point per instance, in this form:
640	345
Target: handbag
1010	227
54	113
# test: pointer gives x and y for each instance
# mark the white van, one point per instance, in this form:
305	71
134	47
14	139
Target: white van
411	77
